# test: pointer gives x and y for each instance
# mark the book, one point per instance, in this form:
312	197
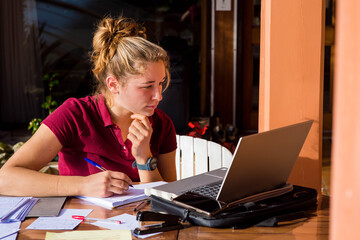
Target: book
132	195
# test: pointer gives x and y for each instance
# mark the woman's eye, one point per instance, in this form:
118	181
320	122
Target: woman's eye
161	84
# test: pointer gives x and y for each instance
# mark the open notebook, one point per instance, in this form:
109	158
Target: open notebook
132	195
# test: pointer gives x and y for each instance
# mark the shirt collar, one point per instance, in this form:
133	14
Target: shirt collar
105	114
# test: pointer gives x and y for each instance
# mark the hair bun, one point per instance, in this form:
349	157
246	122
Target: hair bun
121	28
109	33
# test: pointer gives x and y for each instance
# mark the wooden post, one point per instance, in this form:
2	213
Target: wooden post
223	62
291	77
345	180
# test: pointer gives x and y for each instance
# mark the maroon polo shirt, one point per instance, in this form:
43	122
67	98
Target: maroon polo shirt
84	128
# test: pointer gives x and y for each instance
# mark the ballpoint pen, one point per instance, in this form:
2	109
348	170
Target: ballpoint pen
90	220
99	167
141	205
95	164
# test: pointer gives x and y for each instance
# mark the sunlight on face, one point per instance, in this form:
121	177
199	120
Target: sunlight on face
142	94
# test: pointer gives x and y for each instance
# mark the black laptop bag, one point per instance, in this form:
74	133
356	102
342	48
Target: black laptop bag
270	212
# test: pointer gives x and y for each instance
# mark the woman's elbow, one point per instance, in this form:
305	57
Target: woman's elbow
5	180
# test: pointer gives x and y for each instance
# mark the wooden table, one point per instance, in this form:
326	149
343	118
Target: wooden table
317	227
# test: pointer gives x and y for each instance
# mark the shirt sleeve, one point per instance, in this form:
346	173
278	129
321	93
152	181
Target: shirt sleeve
64	121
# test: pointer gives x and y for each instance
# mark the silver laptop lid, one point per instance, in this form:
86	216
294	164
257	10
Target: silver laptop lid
263	161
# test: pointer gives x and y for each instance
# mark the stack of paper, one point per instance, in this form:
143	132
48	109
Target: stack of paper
8	231
15	208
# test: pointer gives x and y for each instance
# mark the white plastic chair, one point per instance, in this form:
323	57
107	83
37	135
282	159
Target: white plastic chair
195	156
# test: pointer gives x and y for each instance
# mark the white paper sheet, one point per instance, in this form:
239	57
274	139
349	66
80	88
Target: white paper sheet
149	185
8	231
127	222
62	222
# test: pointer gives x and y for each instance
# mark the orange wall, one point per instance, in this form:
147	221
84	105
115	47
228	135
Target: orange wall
345	179
291	76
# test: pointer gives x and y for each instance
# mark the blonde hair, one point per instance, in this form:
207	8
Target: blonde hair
120	48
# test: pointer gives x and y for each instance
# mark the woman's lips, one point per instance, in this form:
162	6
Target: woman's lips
152	106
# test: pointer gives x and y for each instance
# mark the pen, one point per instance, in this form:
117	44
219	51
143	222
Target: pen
95	164
141	205
88	220
99	167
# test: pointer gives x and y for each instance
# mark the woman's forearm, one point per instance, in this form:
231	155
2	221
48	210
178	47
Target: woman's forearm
18	181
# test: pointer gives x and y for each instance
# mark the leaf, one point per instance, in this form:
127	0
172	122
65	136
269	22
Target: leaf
45	105
34	124
55	82
53	103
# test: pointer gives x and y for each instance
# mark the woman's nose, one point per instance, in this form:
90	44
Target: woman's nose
158	93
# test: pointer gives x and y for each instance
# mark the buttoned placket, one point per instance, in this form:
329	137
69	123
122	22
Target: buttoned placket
123	145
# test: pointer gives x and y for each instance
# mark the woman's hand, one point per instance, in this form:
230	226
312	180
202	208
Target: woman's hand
105	184
140	132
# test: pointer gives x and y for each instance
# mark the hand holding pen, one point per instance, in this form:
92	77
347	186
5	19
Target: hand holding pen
106	183
99	167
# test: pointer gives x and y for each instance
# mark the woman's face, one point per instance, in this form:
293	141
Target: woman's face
141	94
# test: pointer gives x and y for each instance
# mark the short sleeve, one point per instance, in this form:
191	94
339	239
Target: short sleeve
65	121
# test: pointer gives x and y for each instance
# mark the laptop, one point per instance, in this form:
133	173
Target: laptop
261	163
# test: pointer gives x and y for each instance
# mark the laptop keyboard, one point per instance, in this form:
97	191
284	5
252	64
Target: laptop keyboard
210	190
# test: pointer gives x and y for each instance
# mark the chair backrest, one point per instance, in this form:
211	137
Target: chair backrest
195	156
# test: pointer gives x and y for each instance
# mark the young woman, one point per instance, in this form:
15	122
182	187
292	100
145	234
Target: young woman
118	127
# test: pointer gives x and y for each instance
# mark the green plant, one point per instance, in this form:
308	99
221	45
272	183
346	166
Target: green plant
50	104
6	151
34	124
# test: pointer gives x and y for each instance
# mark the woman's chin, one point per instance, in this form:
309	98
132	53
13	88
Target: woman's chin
148	112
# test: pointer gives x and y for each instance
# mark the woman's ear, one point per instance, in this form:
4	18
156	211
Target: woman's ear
113	84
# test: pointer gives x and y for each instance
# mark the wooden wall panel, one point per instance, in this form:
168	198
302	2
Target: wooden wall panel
291	76
345	178
245	66
205	57
223	72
